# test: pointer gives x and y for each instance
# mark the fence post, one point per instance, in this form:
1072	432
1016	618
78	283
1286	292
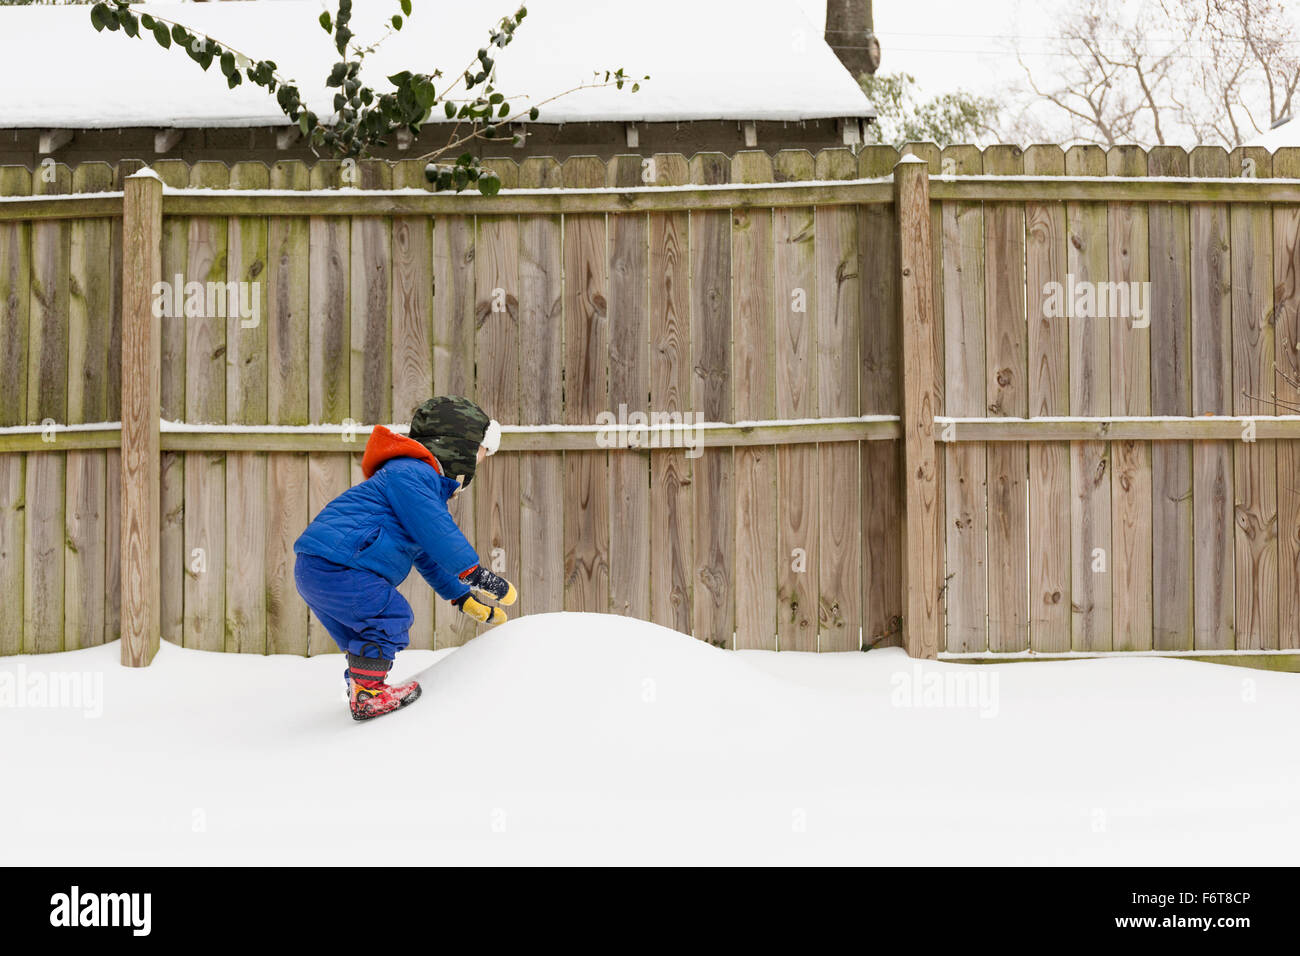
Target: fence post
921	558
141	453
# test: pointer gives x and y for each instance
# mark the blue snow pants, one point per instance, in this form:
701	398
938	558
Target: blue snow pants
364	614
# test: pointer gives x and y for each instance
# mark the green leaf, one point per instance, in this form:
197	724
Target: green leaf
130	25
326	24
450	109
504	111
406	7
397	22
227	63
147	21
425	93
534	113
397	79
97	17
489	184
162	36
302	123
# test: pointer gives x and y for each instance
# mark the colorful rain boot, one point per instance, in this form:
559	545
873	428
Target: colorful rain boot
369	695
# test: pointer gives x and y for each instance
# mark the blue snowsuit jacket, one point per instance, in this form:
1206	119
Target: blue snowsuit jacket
394	519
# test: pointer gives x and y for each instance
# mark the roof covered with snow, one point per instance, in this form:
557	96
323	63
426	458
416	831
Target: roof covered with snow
1286	133
707	59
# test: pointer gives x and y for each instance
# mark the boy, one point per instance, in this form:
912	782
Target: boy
363	543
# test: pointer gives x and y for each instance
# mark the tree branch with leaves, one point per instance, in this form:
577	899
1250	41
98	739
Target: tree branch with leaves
364	118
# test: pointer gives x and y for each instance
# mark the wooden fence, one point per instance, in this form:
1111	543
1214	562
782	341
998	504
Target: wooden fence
910	451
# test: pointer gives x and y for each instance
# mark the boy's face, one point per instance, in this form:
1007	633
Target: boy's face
482	453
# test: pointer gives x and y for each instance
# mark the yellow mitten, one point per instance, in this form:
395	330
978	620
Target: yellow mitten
483	613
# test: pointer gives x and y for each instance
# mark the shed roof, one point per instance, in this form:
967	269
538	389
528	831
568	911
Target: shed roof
707	59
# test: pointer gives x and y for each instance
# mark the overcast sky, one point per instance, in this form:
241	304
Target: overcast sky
951	44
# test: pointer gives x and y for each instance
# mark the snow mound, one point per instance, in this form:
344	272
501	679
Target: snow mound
584	738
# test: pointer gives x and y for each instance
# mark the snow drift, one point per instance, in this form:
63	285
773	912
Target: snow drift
584	738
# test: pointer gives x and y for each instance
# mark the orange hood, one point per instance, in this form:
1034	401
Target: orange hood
384	445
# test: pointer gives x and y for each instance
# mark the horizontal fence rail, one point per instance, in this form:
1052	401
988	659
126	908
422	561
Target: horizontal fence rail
178	436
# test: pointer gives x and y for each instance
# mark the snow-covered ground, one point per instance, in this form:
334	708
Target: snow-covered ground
594	739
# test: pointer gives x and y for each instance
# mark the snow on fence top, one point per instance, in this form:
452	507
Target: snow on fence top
724	59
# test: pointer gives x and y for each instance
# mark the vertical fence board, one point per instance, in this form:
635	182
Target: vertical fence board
753	319
798	550
1049	394
1212	479
15	311
1213	518
933	155
586	344
247	403
878	389
839	322
496	482
370	364
1130	394
1171	394
715	616
1286	330
89	327
965	465
453	372
205	402
1090	355
922	621
1006	381
172	556
541	357
141	269
672	536
1254	383
412	353
288	344
113	456
629	388
47	399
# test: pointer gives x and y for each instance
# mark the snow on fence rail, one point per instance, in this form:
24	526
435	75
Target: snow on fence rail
1072	485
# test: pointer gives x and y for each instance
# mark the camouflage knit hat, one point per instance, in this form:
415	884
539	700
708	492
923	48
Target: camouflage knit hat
452	428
